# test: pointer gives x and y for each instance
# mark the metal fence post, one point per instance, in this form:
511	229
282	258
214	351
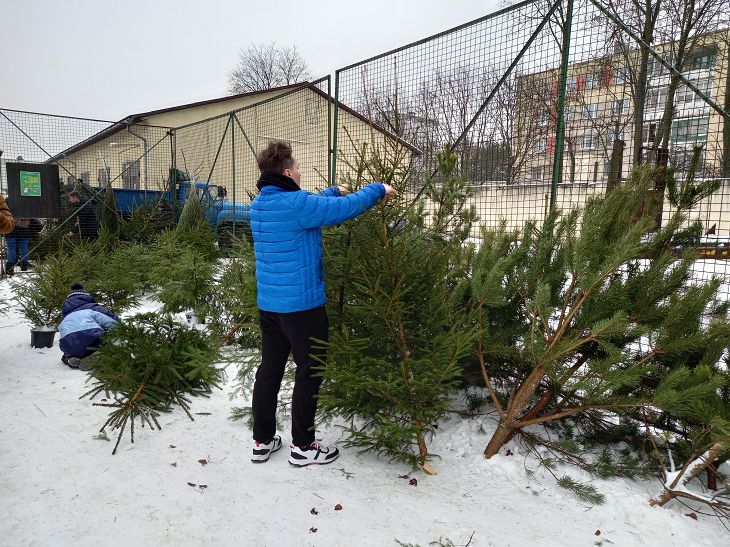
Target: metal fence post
336	129
329	127
233	166
560	125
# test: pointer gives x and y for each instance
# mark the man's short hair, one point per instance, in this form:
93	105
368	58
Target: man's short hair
74	194
276	157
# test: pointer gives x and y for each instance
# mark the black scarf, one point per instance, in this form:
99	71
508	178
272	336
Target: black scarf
272	178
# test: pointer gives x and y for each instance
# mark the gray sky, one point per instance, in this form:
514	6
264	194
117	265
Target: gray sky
107	59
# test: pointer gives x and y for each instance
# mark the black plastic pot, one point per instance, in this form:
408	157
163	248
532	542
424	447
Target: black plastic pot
42	338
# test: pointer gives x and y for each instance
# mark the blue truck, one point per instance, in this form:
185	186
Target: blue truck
225	217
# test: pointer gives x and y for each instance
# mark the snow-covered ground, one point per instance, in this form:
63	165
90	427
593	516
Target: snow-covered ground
193	484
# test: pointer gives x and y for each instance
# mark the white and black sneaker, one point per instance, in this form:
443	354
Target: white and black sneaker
314	453
262	451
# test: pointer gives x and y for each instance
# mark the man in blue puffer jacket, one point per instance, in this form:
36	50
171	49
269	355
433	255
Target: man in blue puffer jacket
84	323
286	223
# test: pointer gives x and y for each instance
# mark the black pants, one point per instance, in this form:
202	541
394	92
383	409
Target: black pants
282	333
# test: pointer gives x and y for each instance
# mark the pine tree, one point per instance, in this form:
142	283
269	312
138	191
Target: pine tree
398	334
605	315
232	305
183	274
109	216
150	364
41	294
118	276
193	228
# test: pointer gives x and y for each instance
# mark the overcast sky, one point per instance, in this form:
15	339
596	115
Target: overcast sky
107	59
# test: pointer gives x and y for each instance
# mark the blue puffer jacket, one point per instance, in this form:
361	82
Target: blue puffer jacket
287	235
84	323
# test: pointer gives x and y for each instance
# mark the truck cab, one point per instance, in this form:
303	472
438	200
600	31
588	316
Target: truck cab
226	217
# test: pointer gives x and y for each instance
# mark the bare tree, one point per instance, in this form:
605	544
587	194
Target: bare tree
263	66
689	22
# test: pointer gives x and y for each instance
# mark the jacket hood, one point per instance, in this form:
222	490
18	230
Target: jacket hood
76	300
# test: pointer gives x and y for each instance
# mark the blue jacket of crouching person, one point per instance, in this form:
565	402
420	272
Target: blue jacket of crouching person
84	323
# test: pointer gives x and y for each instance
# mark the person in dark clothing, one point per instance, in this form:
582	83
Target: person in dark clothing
84	324
18	243
87	226
286	223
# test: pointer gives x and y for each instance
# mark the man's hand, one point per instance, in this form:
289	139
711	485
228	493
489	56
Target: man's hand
389	192
344	190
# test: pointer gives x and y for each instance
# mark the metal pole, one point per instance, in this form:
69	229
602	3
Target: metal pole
215	160
233	163
336	130
245	136
172	188
560	126
329	126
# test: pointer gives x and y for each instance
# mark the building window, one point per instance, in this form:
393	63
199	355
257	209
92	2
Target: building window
538	173
620	75
617	107
649	132
656	68
592	81
702	59
590	110
542	119
540	146
611	137
130	175
656	98
685	95
572	83
86	177
588	142
681	158
690	130
103	176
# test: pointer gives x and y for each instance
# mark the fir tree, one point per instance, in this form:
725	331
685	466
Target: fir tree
398	338
150	364
109	217
193	228
41	294
232	304
184	276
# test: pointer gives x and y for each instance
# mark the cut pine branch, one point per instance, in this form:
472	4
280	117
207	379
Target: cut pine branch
674	483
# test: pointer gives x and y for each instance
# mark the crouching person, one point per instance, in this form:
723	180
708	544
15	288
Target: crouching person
84	324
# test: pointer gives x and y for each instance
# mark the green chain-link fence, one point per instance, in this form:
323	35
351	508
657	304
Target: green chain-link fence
545	103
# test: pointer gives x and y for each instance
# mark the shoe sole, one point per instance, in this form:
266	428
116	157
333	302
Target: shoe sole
325	462
264	460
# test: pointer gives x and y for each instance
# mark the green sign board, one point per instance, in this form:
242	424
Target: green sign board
30	183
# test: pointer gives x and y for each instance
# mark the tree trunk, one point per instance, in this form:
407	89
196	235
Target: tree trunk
501	437
640	83
615	168
712	476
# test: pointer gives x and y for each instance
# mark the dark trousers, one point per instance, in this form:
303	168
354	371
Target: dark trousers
282	333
